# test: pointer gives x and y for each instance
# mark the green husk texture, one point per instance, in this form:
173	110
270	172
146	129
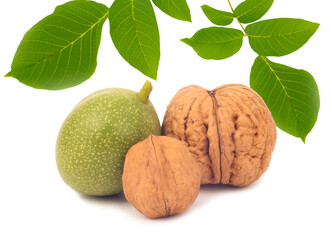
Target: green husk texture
95	137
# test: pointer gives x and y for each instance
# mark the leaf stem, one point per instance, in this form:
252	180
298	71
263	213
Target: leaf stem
229	3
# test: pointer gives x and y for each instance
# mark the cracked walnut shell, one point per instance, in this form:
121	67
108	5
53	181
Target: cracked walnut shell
160	177
229	130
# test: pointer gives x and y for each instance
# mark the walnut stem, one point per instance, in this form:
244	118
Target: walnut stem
144	93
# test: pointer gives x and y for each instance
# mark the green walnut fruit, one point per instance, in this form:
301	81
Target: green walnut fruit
96	136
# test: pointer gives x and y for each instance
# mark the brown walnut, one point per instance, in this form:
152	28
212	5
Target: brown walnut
229	130
160	177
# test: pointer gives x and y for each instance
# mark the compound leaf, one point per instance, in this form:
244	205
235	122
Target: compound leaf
291	95
175	8
135	34
279	37
217	17
61	50
216	42
252	10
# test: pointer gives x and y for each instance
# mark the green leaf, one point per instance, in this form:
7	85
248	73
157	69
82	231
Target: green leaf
291	95
135	34
217	17
175	8
252	10
61	50
279	37
216	42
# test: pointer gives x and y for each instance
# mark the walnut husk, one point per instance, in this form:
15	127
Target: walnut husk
160	177
229	130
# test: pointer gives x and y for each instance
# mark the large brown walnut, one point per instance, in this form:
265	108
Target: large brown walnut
229	130
160	177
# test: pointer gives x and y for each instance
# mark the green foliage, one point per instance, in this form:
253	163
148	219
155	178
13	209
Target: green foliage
175	8
252	10
279	37
291	95
134	31
216	42
61	50
217	17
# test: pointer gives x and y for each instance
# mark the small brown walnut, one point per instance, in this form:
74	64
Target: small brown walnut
160	177
229	130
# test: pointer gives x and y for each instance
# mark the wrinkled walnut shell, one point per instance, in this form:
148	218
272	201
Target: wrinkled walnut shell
229	130
160	177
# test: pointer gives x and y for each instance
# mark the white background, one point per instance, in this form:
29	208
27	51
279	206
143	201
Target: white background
291	201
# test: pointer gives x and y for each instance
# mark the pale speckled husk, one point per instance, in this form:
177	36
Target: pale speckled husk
95	137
